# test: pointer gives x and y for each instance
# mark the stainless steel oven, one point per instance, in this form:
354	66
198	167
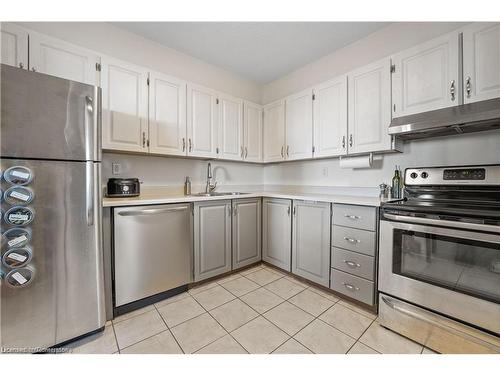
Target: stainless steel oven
439	267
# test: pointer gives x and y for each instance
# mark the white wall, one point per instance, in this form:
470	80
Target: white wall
111	40
476	148
384	42
169	171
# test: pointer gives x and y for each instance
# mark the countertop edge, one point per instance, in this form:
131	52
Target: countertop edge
342	199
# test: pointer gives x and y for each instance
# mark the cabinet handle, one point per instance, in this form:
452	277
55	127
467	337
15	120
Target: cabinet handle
287	151
353	217
468	86
343	141
351	263
350	287
282	156
452	90
350	140
246	152
235	210
143	139
351	240
190	145
183	144
229	210
242	152
288	210
294	210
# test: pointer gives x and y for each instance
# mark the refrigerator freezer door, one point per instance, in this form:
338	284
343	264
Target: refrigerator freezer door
45	117
65	297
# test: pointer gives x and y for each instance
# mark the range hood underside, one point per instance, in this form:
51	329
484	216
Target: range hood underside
467	118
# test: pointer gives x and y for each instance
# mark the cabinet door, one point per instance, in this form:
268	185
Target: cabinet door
201	122
14	44
277	232
330	118
167	115
299	125
252	132
369	108
124	106
426	77
212	239
274	131
246	232
230	127
481	62
58	58
311	241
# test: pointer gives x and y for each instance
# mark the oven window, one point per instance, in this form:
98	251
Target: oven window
466	266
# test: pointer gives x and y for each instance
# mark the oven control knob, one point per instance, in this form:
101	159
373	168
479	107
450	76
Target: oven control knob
424	175
413	175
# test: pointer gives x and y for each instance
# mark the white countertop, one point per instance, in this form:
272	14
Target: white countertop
162	197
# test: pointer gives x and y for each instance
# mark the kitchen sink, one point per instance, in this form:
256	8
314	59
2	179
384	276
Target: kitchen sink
219	194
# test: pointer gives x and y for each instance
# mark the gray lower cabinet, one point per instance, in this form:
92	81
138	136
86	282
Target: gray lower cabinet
246	232
277	232
212	238
354	251
311	241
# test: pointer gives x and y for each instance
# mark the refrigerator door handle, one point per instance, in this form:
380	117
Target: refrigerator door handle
89	128
89	192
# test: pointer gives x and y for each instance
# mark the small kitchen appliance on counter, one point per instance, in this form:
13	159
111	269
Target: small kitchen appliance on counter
123	187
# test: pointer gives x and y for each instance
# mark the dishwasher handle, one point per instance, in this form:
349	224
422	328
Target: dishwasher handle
152	211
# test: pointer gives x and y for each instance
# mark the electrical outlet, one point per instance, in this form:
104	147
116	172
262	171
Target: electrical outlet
116	168
325	172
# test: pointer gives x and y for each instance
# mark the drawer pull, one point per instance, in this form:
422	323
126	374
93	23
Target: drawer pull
351	264
350	287
351	240
353	217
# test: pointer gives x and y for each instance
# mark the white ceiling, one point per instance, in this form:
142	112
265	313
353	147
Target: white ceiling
258	51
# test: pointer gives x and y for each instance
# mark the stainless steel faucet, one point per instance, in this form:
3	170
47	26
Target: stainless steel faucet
210	186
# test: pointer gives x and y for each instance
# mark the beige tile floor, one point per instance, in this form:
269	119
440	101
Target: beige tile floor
259	310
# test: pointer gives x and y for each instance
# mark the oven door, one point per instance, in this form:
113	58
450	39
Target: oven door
451	271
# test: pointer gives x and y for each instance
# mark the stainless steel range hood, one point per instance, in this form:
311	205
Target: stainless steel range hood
466	118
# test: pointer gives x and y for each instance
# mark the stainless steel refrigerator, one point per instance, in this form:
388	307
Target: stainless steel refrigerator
51	273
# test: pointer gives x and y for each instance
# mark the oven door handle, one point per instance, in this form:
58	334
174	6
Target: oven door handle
444	223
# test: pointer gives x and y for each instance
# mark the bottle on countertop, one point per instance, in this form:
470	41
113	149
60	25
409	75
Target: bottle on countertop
396	184
187	186
384	191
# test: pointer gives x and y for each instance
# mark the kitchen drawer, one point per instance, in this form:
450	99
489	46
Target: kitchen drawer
352	286
360	241
360	217
353	263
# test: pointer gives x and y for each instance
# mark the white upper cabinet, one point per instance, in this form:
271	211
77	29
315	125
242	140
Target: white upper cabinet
299	125
14	44
124	106
167	115
426	77
330	118
369	108
252	132
201	121
230	130
481	61
58	58
274	131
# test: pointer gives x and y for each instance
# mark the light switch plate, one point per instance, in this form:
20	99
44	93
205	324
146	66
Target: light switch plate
116	168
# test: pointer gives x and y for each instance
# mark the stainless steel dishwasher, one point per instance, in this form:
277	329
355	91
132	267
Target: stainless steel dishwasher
152	252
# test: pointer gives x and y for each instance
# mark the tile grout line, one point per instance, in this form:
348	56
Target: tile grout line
208	312
116	338
168	328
